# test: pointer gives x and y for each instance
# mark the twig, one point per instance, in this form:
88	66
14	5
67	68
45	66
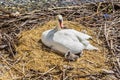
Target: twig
4	11
88	75
68	7
93	14
7	12
2	46
11	66
106	34
42	74
118	62
65	78
64	74
99	6
11	75
113	6
98	35
49	70
9	43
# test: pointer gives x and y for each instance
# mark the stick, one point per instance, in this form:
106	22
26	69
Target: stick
68	7
49	70
93	14
9	64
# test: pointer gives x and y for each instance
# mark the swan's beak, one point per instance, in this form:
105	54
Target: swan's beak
60	23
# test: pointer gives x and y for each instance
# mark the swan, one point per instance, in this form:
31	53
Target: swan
69	42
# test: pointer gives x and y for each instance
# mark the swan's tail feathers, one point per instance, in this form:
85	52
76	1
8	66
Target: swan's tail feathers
85	36
88	37
91	47
70	56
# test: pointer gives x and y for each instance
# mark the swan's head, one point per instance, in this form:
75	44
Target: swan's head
60	20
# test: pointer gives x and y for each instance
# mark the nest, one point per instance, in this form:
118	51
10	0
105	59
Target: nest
35	56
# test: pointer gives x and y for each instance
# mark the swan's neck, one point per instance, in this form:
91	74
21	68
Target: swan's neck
58	28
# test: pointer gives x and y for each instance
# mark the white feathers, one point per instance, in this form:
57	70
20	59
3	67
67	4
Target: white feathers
67	39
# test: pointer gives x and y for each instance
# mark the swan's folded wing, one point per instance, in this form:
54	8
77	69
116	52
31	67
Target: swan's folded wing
62	42
91	47
81	36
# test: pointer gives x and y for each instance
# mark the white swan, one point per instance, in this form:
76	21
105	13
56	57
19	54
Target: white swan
69	42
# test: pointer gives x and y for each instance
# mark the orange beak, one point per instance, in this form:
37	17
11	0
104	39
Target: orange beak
61	23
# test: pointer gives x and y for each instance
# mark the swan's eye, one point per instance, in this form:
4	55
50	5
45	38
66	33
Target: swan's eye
60	20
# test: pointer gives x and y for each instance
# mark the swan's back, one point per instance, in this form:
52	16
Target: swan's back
63	40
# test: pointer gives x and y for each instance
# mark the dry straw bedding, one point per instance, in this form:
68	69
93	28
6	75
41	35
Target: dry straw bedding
37	57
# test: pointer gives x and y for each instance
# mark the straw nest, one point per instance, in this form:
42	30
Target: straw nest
35	56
